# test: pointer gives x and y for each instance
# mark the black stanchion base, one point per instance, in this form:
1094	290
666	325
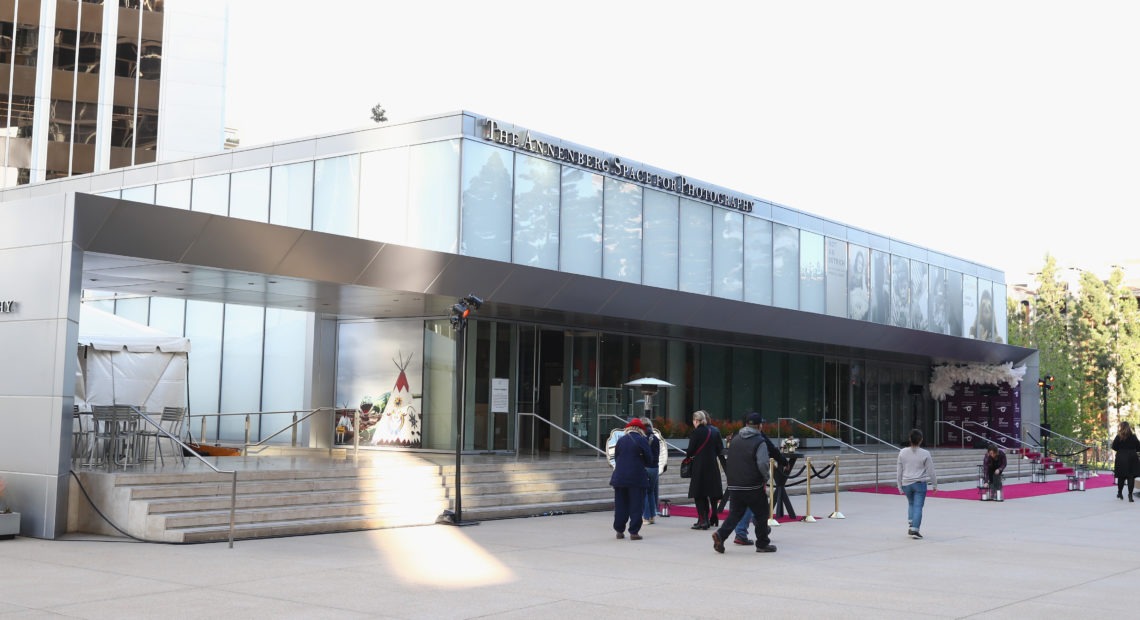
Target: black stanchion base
447	517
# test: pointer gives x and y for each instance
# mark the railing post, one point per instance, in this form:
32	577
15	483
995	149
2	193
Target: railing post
808	518
837	514
772	522
202	437
294	443
233	507
247	429
356	433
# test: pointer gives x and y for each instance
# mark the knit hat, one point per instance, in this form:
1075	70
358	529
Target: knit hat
636	422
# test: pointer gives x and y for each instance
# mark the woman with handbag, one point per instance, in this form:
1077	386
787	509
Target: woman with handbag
706	449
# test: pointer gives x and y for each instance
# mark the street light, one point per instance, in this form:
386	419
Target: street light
1045	384
460	312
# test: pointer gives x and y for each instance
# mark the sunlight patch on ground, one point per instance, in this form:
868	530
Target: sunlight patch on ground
442	556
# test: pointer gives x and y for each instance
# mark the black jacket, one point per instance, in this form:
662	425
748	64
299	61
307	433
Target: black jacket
748	456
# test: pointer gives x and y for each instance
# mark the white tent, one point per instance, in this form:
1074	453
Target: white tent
127	363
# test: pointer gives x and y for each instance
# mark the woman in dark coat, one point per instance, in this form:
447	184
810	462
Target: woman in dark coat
707	449
1127	465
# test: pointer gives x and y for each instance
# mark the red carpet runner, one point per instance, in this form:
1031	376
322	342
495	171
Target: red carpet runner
1010	491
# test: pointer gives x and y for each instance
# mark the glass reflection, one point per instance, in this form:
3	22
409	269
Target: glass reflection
836	267
919	295
880	287
900	291
661	239
580	241
728	254
757	260
621	254
486	202
291	195
335	192
785	266
812	291
858	283
696	247
535	220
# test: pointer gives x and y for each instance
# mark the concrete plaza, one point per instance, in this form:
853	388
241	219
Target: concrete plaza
1053	556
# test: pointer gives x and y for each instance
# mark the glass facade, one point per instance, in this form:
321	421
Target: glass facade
476	199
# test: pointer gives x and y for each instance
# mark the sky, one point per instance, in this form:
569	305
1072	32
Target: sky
995	131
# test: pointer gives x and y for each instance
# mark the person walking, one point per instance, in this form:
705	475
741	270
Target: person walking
747	471
1127	464
706	449
915	468
629	480
657	457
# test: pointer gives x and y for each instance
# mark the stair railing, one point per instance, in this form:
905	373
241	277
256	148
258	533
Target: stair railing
1081	447
625	422
185	448
859	430
554	426
1020	444
260	445
840	442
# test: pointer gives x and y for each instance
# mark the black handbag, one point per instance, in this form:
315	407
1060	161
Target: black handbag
687	462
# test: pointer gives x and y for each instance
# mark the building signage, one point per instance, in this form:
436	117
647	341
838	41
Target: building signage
524	141
7	307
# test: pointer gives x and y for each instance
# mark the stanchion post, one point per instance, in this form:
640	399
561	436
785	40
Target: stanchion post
808	518
772	522
836	514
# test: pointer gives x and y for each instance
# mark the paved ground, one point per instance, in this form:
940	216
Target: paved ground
1057	556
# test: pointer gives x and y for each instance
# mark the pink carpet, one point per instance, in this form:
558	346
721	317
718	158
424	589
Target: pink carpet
1010	491
690	511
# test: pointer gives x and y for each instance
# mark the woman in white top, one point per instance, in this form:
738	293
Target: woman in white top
915	469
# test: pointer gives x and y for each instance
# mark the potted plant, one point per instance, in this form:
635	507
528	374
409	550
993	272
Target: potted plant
9	521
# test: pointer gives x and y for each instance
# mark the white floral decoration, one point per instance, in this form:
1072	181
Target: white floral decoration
944	377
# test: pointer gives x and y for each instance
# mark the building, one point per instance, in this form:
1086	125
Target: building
323	272
90	85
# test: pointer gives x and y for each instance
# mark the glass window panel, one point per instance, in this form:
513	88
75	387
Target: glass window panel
175	194
785	266
880	287
211	195
439	385
335	191
984	325
955	301
241	368
535	225
621	256
773	378
836	277
249	195
135	309
900	291
1000	316
433	196
283	382
728	254
204	329
858	283
662	240
144	194
291	195
168	315
384	196
696	247
969	305
486	207
919	295
580	241
812	290
758	261
939	313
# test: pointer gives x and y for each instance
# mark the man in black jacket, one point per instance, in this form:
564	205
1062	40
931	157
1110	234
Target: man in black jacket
747	473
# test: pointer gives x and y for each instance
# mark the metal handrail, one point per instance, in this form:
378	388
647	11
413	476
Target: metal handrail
859	430
1053	433
625	421
296	421
247	415
558	428
186	448
990	429
836	439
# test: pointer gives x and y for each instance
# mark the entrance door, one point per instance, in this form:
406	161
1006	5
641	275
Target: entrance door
541	379
838	403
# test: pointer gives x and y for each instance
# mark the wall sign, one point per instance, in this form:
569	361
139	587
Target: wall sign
614	166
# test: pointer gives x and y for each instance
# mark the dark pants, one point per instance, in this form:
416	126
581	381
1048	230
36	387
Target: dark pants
755	500
629	502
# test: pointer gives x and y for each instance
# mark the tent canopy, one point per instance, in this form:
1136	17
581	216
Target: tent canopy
125	363
104	331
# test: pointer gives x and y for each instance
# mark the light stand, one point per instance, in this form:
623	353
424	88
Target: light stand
1046	384
649	387
459	314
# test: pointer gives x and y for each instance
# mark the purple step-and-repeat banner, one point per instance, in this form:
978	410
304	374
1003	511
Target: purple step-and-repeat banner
979	408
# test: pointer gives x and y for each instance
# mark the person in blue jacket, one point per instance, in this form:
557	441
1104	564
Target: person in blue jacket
630	480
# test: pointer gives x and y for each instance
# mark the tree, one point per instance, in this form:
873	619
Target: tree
378	114
1049	333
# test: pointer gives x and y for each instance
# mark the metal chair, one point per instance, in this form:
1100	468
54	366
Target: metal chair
172	420
82	437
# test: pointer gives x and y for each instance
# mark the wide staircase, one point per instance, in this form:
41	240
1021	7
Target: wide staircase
279	497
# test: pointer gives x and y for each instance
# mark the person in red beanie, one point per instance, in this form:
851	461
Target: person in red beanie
630	480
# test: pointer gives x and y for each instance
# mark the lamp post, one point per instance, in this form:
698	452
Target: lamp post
459	315
1045	384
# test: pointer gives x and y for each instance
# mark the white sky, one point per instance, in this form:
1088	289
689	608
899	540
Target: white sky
992	130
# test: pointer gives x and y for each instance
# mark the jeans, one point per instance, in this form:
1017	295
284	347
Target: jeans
742	527
915	499
651	494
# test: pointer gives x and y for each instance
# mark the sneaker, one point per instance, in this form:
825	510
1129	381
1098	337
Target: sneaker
910	531
766	549
915	535
649	520
718	544
633	536
742	541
